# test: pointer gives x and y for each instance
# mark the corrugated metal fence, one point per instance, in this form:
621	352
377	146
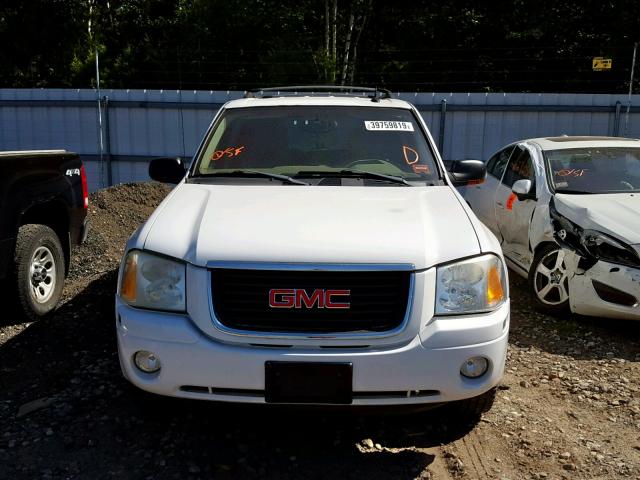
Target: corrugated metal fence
138	125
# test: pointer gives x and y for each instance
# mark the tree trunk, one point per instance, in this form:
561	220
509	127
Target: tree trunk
350	63
326	39
334	36
352	70
347	48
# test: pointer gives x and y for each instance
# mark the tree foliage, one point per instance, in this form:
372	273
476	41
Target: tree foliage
518	45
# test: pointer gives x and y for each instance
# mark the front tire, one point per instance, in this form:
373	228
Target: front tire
38	270
548	280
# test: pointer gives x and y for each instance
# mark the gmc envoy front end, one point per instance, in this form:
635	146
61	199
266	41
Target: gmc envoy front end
314	252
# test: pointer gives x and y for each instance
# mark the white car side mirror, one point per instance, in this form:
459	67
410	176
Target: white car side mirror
522	189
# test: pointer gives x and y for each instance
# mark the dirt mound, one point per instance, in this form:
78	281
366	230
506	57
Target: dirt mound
114	214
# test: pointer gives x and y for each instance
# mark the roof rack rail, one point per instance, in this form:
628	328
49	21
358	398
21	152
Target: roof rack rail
374	93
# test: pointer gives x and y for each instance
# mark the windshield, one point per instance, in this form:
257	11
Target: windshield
595	170
307	141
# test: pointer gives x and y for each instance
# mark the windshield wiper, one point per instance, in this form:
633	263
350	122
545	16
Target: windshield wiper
574	192
256	173
348	172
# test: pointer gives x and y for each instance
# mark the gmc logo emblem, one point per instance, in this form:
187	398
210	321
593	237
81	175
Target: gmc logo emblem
299	298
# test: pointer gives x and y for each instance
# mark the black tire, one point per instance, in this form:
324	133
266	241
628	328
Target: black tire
553	303
49	266
470	410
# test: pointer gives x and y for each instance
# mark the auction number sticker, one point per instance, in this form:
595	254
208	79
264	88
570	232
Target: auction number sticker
388	126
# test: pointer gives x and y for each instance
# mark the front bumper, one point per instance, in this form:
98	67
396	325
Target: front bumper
424	370
585	300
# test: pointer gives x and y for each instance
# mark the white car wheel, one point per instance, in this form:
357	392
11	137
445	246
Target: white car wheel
549	279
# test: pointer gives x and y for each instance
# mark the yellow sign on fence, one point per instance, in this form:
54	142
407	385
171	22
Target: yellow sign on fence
601	63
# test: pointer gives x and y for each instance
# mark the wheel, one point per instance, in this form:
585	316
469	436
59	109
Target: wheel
38	270
471	409
548	280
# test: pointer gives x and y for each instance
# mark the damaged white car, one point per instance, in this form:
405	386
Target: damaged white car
567	212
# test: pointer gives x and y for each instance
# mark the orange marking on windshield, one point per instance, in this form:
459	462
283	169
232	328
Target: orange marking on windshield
512	198
421	168
407	152
227	152
570	172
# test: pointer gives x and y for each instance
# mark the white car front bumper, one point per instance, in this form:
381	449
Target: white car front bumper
586	300
424	370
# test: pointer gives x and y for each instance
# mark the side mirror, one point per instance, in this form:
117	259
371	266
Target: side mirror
167	170
522	189
462	172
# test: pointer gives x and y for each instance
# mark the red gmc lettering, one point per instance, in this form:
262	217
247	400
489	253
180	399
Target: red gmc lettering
299	298
281	297
303	298
329	303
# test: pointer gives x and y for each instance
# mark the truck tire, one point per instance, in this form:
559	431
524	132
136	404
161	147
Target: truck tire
38	270
471	409
548	282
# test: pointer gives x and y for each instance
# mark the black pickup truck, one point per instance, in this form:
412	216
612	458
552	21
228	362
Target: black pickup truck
43	215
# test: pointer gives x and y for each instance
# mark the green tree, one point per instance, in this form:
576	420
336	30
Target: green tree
459	45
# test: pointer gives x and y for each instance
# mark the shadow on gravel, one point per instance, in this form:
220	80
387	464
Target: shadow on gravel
68	413
582	338
11	315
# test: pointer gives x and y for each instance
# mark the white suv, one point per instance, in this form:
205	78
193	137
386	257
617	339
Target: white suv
315	252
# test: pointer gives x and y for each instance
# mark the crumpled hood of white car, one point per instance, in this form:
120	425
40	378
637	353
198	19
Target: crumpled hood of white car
422	226
617	214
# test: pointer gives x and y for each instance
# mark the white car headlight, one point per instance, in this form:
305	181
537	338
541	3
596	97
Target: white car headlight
471	286
604	247
152	281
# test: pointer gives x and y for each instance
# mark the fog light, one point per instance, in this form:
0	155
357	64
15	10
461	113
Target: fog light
146	361
474	367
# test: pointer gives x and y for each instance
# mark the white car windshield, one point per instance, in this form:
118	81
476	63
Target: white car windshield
595	170
299	141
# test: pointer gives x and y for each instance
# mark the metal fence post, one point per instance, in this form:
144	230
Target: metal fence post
616	119
107	140
443	116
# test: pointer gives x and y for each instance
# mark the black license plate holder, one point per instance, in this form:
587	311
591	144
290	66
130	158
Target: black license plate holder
308	382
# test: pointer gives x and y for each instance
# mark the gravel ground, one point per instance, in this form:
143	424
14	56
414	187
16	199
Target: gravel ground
569	405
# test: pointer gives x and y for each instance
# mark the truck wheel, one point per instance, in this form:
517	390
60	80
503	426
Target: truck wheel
548	280
38	270
471	409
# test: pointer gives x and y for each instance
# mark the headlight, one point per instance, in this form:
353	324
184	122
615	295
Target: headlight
603	247
151	281
471	286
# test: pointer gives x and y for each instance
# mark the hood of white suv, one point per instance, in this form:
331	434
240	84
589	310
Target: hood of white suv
421	226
